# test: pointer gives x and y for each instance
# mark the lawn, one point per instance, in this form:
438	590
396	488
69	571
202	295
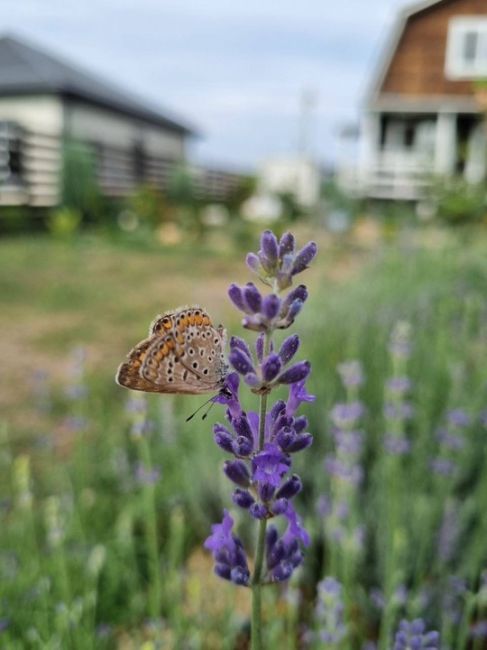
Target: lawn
93	554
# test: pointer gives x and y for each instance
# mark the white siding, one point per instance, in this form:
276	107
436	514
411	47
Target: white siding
41	118
41	114
112	130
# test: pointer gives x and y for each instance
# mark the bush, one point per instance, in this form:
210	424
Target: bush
64	223
459	203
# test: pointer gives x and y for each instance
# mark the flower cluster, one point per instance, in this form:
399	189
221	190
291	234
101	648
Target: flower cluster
262	444
413	636
276	263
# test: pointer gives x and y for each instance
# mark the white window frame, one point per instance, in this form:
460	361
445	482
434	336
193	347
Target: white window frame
456	67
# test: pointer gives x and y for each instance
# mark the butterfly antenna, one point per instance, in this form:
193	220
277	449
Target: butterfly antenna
201	407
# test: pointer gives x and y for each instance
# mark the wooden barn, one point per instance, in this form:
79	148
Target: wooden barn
424	115
46	102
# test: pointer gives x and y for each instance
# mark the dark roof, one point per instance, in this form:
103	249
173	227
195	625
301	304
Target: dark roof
26	69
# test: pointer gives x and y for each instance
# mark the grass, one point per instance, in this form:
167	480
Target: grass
91	558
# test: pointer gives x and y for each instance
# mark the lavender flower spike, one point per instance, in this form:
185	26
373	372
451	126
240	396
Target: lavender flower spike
263	443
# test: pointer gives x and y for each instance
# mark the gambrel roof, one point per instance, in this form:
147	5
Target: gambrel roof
393	42
26	69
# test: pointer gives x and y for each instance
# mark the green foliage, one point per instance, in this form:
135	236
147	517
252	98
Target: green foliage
149	206
460	203
79	188
64	222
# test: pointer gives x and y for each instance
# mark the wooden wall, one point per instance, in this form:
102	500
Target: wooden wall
418	66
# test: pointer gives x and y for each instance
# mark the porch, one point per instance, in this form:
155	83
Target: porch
403	152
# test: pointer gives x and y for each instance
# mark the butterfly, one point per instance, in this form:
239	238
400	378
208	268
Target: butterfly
183	354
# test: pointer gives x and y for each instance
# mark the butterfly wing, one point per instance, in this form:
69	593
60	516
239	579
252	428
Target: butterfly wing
189	363
128	373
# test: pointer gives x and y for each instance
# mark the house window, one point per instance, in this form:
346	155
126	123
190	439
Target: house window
466	53
11	156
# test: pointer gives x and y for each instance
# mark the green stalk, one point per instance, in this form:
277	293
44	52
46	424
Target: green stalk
150	520
256	626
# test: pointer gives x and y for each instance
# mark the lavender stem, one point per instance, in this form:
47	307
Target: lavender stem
256	627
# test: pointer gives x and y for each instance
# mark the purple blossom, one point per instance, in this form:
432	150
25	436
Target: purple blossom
227	550
413	636
146	475
351	373
346	415
297	395
398	385
396	445
479	630
458	418
398	411
269	465
443	466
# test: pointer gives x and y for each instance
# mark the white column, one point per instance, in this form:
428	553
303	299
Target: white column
445	144
369	146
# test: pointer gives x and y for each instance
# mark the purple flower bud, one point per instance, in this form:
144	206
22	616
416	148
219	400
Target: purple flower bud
241	362
285	438
242	498
286	244
271	538
240	575
235	295
282	572
292	312
252	380
279	506
277	409
304	257
240	344
223	438
266	491
253	262
271	367
269	247
242	427
275	553
289	348
303	441
295	373
299	293
242	446
258	511
252	298
271	306
236	471
259	347
290	488
223	571
300	423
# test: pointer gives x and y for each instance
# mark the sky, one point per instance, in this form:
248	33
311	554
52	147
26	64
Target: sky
235	70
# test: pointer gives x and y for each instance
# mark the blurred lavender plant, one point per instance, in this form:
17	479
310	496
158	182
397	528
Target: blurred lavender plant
330	629
342	524
262	443
397	410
